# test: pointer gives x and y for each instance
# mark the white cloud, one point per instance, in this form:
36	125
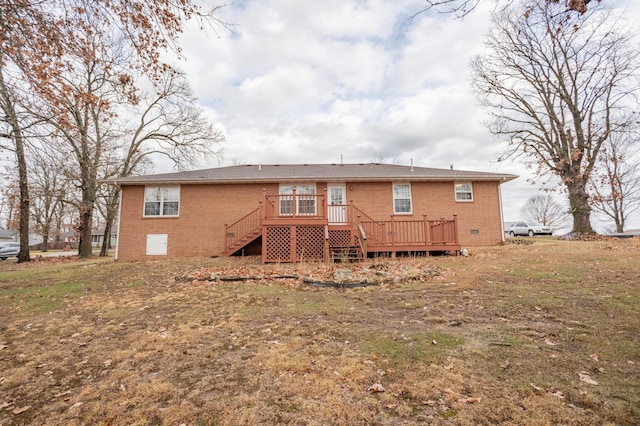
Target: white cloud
311	81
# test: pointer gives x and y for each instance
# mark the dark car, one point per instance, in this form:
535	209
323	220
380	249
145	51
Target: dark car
529	228
9	250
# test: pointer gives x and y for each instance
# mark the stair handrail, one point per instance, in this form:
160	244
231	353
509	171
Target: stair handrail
363	240
242	228
360	218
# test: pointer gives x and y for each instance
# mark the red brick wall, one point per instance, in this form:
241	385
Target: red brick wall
199	229
205	209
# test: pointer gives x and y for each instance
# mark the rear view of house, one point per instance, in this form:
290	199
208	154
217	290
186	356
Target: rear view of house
308	212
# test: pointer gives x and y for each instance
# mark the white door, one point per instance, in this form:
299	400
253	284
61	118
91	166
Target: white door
156	244
337	203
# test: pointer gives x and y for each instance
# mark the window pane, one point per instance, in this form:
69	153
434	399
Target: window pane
464	191
286	205
170	208
286	189
172	193
152	193
305	189
307	205
402	198
463	187
403	206
152	209
401	191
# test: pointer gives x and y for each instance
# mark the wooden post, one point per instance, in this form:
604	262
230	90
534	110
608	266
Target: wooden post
294	203
263	211
294	243
264	244
325	205
426	229
226	239
326	244
393	231
455	228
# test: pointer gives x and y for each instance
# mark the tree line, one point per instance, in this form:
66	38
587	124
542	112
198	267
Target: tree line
84	97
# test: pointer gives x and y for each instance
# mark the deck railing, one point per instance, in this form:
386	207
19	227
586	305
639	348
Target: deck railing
295	205
395	232
241	228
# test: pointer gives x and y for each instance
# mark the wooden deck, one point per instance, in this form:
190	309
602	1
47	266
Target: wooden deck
302	227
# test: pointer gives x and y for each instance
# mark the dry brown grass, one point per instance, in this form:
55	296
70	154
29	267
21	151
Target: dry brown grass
510	335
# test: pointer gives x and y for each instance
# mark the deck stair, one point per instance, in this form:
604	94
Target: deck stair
244	241
291	227
242	232
345	254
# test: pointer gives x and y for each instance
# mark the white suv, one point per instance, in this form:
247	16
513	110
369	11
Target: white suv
529	228
8	250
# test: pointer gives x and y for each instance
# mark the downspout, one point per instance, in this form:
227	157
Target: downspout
115	256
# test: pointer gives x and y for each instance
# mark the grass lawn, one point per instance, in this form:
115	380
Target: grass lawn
540	334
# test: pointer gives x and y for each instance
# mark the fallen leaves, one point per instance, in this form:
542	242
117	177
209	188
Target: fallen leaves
21	409
586	377
376	388
549	391
371	273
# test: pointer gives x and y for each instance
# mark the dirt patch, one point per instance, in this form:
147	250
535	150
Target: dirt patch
547	333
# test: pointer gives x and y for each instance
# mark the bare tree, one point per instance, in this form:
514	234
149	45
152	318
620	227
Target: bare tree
36	36
616	182
10	193
48	190
558	91
83	127
164	123
10	115
462	8
543	209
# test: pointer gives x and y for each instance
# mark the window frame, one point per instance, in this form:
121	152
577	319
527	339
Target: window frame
304	206
398	198
458	193
163	199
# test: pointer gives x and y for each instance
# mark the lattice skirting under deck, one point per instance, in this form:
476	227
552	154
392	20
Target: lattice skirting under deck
294	244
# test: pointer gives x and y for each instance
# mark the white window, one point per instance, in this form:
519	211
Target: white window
161	200
464	191
305	197
402	198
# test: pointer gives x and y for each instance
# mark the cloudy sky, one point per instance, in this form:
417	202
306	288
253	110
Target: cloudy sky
304	81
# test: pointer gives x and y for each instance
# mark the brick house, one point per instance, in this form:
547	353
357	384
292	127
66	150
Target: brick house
308	212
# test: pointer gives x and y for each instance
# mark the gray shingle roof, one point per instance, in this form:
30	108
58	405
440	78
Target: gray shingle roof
312	172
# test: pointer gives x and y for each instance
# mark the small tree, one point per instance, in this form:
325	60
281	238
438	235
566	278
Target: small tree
48	189
616	183
543	209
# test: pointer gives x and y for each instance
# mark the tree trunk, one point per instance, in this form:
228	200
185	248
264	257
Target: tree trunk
619	224
11	117
45	241
104	250
112	204
23	256
579	207
85	249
